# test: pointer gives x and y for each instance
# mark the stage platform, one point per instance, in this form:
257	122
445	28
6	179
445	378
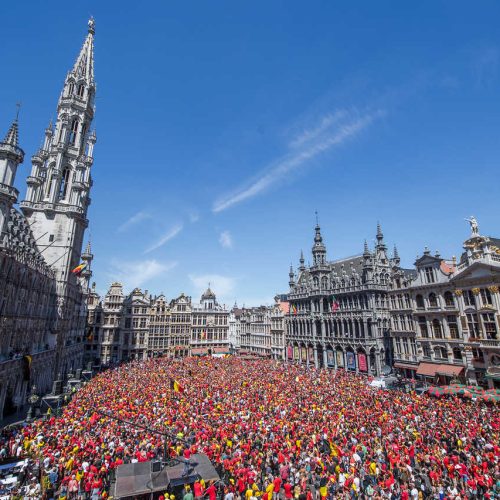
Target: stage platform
136	480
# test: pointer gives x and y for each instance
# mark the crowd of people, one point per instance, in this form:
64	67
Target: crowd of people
274	431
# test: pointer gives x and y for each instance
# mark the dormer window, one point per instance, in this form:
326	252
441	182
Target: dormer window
429	275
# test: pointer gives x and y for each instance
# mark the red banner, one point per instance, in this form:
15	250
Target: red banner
362	362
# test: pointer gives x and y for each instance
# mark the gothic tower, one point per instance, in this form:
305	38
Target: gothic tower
11	156
57	197
58	190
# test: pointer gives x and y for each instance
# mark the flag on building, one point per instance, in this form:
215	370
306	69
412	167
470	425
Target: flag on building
78	269
335	304
294	309
203	335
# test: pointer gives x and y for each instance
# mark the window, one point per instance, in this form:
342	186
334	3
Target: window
63	188
51	238
473	324
426	350
486	297
81	90
433	300
420	301
429	274
453	326
448	299
424	332
457	354
71	88
490	326
73	132
436	329
440	352
469	298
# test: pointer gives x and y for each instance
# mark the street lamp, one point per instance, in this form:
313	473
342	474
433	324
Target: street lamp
32	400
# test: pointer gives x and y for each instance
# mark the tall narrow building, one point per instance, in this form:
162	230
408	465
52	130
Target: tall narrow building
57	200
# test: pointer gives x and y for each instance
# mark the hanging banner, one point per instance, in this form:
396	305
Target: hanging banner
311	355
340	359
303	353
296	353
289	353
351	361
330	360
362	362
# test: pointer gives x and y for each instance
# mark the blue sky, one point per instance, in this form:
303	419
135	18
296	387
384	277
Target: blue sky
223	126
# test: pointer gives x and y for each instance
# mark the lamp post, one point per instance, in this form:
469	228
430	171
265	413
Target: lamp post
32	400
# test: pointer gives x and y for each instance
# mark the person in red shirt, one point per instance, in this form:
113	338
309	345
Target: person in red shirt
277	487
288	490
211	491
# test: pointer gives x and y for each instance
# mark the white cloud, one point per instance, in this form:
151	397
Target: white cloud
332	131
226	240
222	286
171	233
138	217
307	135
135	273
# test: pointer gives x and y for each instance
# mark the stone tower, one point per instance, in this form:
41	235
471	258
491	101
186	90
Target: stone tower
57	199
11	156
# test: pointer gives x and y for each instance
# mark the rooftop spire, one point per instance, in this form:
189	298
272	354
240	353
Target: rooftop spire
380	236
12	136
84	64
396	254
366	251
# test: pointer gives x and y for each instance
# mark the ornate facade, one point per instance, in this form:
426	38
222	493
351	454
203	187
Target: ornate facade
210	327
445	321
339	310
43	308
139	326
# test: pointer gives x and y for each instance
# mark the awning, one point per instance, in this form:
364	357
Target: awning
430	369
452	370
221	350
405	366
199	351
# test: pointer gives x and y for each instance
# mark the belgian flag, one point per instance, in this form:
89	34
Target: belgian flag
175	386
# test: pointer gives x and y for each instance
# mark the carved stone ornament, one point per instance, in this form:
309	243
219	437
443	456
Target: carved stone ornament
459	292
493	289
476	291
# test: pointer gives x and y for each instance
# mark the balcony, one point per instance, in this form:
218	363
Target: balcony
9	190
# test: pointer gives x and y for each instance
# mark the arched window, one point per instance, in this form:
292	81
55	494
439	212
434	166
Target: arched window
81	90
71	89
420	301
448	299
83	137
436	329
440	352
433	300
324	282
73	132
63	188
